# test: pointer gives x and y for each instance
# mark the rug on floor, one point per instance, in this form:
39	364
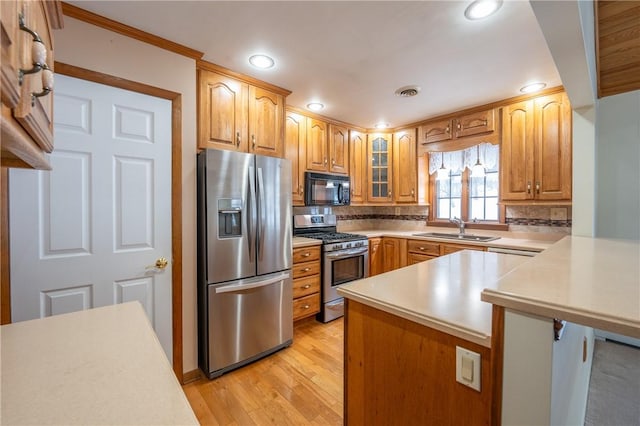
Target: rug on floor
614	390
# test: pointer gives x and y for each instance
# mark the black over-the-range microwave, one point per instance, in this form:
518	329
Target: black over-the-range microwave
322	189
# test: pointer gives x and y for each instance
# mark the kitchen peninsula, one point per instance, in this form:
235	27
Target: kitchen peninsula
402	329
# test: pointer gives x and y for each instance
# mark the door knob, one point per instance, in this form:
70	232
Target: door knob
161	263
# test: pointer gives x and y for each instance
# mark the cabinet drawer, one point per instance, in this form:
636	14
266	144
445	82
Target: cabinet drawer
423	247
306	306
306	286
452	248
305	269
413	258
306	254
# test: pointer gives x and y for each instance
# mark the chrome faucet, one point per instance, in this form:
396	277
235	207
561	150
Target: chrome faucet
460	224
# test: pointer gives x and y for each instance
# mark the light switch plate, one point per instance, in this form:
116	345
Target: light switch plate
468	367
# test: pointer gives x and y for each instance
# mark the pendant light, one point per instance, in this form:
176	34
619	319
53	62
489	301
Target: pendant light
443	172
478	169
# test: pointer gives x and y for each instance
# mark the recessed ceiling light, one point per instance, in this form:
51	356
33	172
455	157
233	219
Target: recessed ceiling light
482	8
407	91
382	125
261	61
315	106
533	87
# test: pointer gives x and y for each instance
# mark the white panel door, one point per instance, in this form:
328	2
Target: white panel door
87	233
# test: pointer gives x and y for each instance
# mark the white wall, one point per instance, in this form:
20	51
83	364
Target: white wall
545	382
96	49
618	166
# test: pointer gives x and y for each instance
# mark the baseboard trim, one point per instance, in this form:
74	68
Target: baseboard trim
192	376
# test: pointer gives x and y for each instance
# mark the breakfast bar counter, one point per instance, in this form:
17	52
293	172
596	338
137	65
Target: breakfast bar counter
443	293
99	366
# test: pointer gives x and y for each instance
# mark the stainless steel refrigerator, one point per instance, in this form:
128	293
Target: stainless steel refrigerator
244	258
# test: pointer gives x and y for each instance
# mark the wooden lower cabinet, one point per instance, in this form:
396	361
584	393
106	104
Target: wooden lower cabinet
394	253
403	373
375	256
306	281
452	248
420	250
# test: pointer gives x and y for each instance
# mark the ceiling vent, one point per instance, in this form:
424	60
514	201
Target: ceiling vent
408	91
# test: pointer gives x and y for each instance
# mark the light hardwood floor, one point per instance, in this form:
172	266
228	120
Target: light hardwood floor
299	385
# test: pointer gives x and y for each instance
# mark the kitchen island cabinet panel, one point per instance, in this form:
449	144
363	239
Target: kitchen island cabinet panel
400	372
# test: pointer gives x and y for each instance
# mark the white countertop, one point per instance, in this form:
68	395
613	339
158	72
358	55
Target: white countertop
305	242
100	366
503	242
442	293
595	282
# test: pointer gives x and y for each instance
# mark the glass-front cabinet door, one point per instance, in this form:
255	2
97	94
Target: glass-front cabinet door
380	167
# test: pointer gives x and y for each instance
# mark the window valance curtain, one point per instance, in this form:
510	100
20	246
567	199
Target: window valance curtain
457	161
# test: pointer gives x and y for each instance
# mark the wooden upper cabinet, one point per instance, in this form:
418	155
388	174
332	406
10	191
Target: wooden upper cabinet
437	131
11	52
338	149
516	152
535	155
405	175
223	112
465	126
475	124
317	141
379	168
295	151
27	101
358	166
238	116
266	113
552	137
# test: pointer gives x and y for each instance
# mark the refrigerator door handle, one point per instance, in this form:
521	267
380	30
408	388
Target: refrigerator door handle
231	288
252	212
262	218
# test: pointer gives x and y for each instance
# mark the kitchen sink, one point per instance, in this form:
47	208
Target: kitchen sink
463	237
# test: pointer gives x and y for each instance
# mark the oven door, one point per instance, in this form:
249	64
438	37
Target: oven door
341	267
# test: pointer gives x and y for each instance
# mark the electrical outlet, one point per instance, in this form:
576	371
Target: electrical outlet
558	213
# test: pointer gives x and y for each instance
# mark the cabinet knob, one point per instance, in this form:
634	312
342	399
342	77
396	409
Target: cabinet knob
537	187
389	194
333	162
413	192
307	254
307	286
253	141
447	130
528	187
237	138
325	161
306	269
306	306
422	248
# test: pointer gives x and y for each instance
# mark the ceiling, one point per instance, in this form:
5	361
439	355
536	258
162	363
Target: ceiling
353	55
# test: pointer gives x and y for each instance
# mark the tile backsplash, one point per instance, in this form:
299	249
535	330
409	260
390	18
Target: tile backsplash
353	218
554	219
539	219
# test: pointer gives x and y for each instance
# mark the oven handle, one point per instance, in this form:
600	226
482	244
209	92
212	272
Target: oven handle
346	253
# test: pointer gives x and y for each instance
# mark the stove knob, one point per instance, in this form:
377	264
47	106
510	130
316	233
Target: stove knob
337	246
348	245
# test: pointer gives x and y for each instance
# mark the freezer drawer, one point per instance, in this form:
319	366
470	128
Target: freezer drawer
248	319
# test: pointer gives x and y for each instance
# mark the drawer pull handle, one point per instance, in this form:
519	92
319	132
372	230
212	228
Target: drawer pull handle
422	248
307	254
306	269
306	306
307	286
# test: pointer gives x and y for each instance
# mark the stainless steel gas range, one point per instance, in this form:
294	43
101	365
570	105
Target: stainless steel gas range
345	258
